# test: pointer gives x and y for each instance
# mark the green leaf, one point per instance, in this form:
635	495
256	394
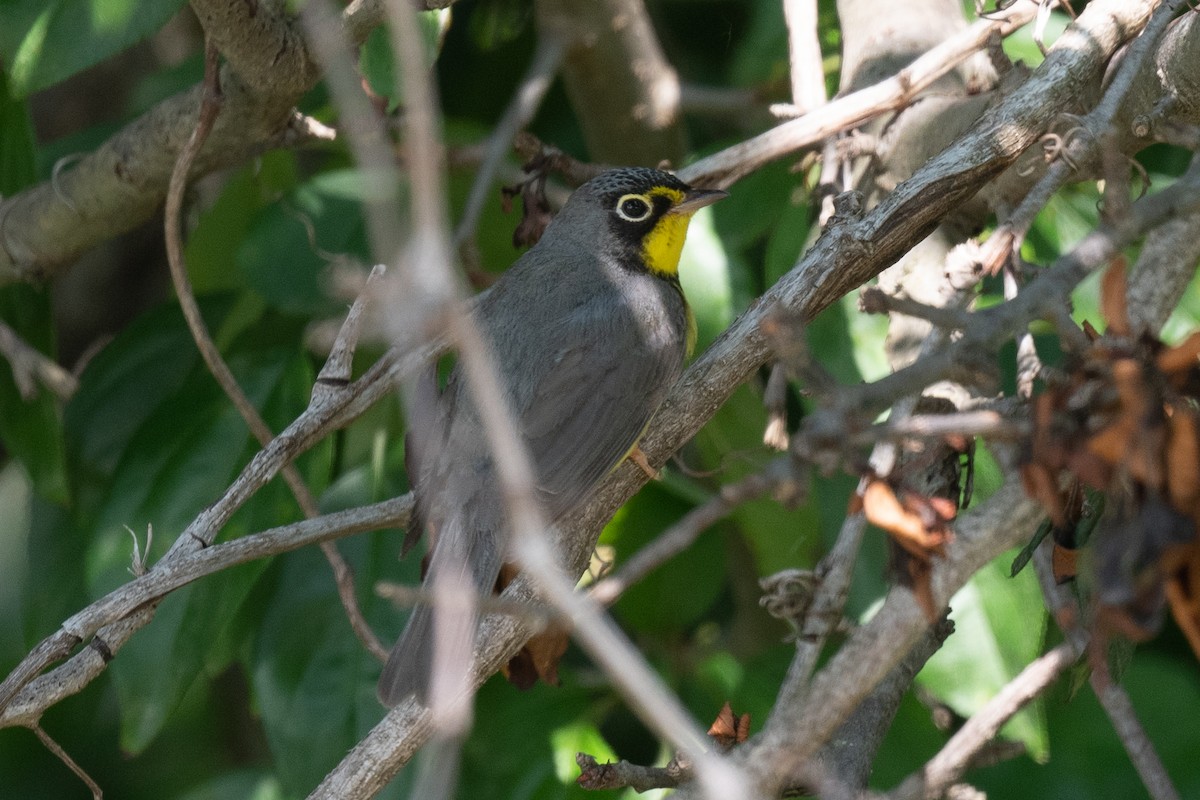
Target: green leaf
18	166
290	247
705	271
44	41
577	737
679	592
226	222
494	23
308	671
179	454
178	462
16	533
520	746
1026	552
126	382
378	64
31	430
999	626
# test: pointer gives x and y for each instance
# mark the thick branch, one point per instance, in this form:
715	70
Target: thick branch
119	185
624	91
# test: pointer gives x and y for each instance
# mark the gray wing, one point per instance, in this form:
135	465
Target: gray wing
591	405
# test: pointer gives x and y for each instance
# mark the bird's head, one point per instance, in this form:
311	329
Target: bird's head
645	215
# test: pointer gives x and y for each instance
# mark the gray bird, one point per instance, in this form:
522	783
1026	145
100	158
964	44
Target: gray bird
588	330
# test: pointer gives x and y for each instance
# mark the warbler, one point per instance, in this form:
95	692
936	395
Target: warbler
588	330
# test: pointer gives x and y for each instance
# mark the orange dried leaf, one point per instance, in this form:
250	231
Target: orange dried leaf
1065	563
1183	460
1111	445
884	510
538	660
728	729
1113	298
1181	565
919	574
1182	356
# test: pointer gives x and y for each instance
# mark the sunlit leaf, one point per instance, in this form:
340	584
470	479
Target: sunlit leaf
45	41
998	628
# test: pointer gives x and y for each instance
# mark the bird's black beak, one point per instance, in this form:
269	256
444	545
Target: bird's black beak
697	199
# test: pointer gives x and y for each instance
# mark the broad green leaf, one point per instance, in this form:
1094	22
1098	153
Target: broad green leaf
126	382
999	625
30	430
494	23
44	41
678	593
705	271
16	528
244	196
247	784
519	746
313	681
378	64
178	462
755	204
292	245
786	240
18	167
182	454
577	737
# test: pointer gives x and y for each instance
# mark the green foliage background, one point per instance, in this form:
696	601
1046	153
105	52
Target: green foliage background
249	683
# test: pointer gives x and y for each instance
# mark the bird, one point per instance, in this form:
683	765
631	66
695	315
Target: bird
588	330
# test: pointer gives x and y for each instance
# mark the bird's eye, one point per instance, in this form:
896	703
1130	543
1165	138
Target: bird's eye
633	207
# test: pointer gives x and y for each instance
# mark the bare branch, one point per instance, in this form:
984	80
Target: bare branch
65	758
724	168
804	55
120	184
1092	128
129	604
30	367
949	765
682	534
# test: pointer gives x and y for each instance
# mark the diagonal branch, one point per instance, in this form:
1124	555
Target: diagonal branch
119	185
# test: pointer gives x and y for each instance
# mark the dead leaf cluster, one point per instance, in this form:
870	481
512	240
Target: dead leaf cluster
1122	418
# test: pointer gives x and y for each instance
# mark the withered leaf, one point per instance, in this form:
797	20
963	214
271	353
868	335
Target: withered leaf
1113	298
919	524
727	729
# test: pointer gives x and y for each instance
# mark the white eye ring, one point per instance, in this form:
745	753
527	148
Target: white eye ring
634	207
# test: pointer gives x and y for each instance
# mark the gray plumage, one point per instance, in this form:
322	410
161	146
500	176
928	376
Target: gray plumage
587	343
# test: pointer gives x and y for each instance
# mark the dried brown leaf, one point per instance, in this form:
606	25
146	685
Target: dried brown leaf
1112	298
1183	462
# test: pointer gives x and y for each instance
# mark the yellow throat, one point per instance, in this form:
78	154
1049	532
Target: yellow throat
662	246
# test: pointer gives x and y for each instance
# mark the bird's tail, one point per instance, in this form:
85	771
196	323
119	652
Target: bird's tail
463	567
410	662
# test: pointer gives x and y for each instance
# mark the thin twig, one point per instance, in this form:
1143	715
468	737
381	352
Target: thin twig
30	367
1064	607
34	695
623	774
804	55
210	107
955	758
1092	127
724	168
62	756
1119	708
683	533
525	103
874	300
